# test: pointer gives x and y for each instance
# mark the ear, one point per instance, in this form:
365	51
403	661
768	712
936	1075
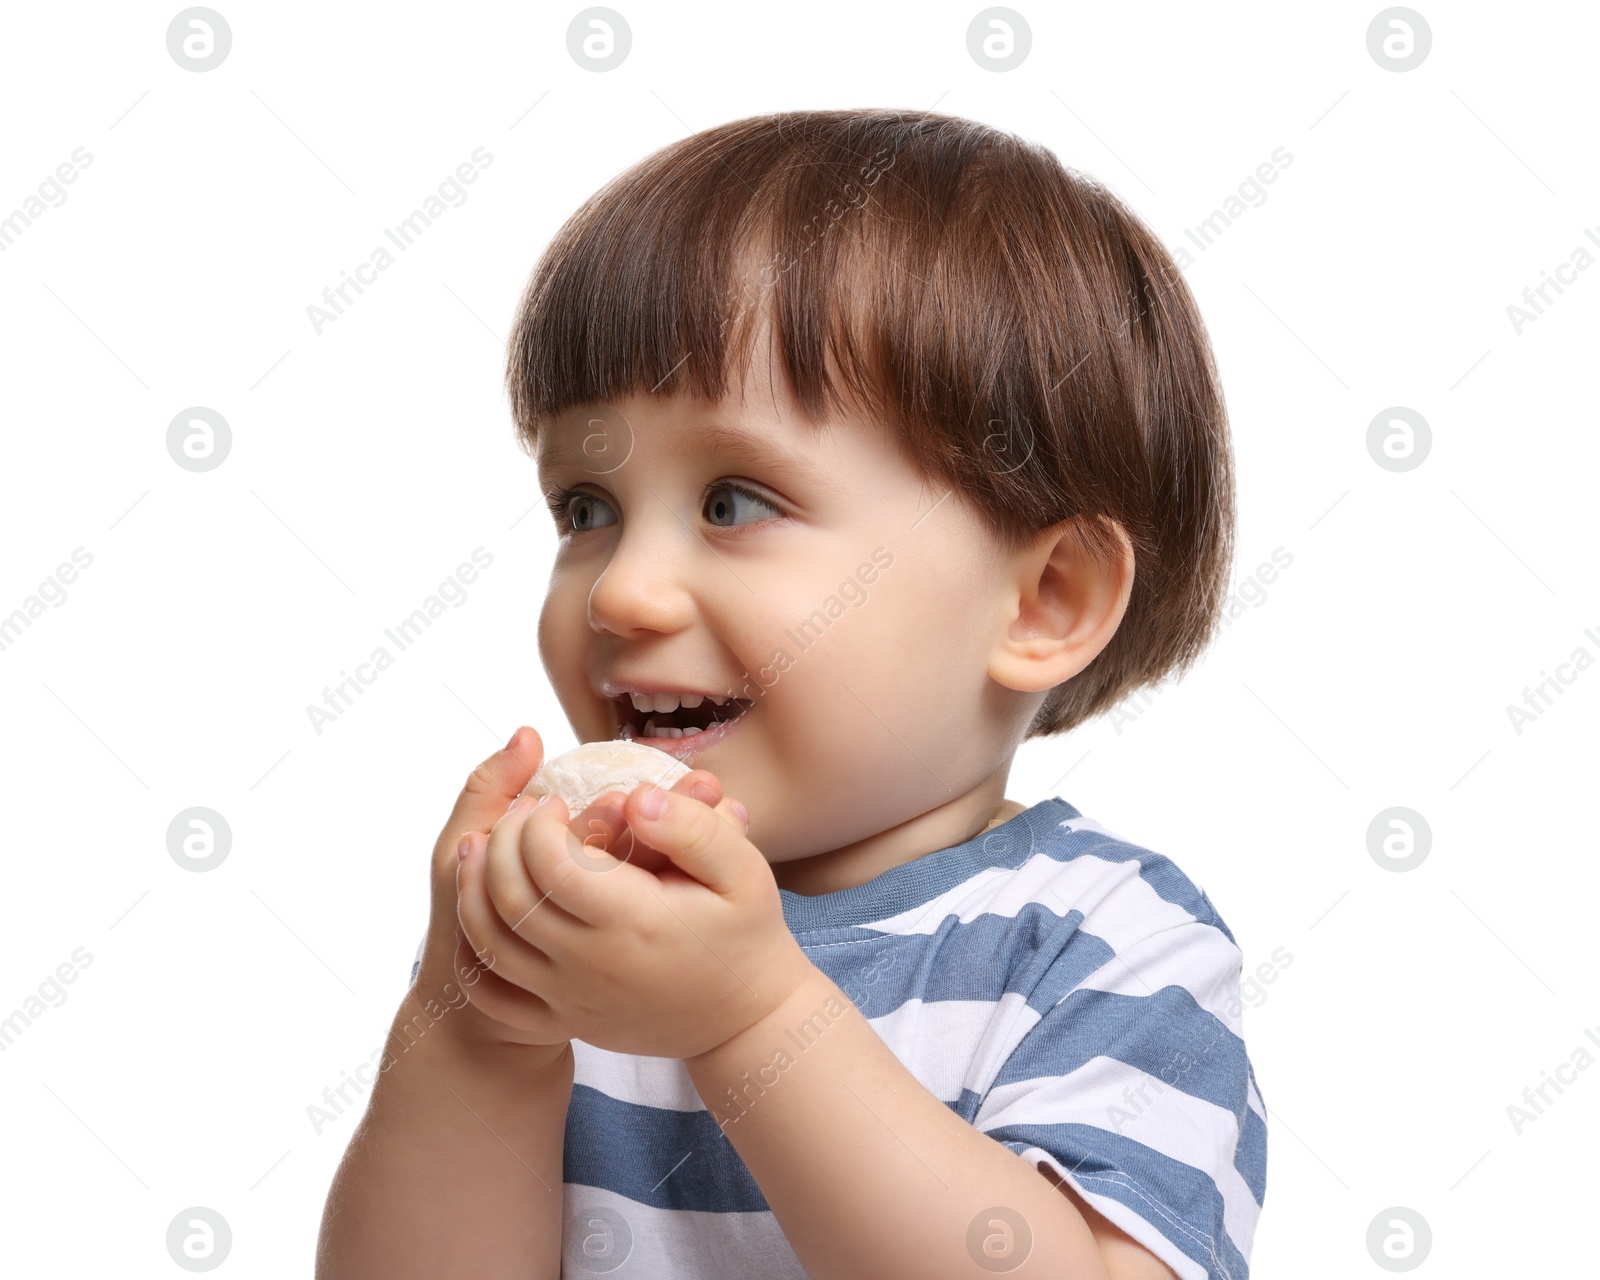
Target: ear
1061	607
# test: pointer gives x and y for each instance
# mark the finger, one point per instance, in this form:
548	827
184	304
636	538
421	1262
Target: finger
578	879
498	999
502	834
498	948
489	788
734	814
706	787
522	904
601	828
604	826
702	784
699	841
602	841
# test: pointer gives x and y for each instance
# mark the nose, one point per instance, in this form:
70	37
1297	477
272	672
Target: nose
641	588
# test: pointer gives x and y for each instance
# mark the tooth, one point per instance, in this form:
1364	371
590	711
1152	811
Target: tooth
718	701
692	699
642	702
666	702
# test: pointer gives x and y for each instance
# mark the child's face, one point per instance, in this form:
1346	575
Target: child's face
856	613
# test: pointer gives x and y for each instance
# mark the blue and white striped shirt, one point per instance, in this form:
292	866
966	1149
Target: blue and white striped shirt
1072	995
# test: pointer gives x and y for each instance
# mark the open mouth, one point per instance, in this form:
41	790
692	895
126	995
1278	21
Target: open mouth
681	722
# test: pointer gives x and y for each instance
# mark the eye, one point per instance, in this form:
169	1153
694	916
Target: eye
725	500
728	505
576	511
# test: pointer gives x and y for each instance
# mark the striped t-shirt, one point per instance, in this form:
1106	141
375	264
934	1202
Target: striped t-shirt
1072	995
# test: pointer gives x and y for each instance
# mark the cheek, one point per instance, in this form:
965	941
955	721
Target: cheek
857	679
914	652
562	621
549	613
565	641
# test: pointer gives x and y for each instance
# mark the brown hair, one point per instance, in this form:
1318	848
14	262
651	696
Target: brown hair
1022	334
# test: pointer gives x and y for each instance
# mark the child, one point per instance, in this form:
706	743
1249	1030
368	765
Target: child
833	1006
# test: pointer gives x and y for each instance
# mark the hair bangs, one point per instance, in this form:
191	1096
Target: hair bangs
664	280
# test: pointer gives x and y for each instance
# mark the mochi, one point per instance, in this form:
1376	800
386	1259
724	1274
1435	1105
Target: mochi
585	773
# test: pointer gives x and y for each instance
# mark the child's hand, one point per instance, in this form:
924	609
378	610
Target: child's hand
450	977
598	947
493	872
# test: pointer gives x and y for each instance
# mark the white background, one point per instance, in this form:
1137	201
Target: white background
369	461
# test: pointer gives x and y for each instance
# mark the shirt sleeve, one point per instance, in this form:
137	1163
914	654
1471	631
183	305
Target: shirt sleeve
1134	1086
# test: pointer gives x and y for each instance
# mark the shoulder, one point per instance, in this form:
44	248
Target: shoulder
1094	881
1054	898
1127	1069
1160	935
1122	875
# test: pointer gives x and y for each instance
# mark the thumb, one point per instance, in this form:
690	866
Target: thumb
486	795
699	840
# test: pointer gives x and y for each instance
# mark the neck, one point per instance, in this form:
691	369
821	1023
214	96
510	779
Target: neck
951	823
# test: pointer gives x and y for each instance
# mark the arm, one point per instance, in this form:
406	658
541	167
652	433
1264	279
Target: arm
455	1169
870	1175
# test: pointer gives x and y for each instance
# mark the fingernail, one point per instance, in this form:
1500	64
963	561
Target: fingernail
514	737
704	792
463	848
653	803
744	814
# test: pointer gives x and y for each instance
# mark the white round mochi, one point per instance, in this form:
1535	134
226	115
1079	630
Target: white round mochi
582	775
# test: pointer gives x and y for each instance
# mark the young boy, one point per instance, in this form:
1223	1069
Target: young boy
877	443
